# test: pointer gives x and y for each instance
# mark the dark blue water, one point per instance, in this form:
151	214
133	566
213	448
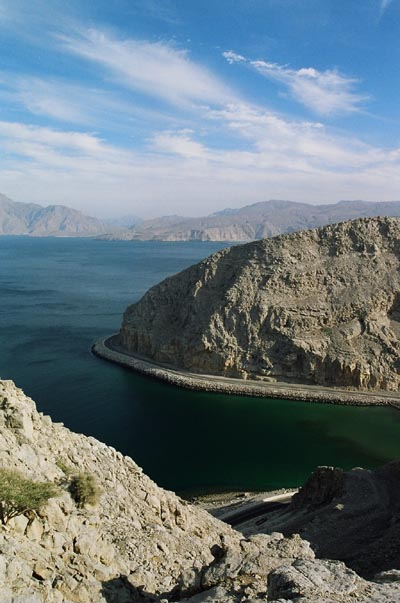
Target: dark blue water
59	295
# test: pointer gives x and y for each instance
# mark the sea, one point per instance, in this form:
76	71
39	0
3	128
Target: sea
58	296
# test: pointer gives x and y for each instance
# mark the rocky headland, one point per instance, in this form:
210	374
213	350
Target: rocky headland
318	307
139	543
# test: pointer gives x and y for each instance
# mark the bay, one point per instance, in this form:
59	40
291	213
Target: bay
57	296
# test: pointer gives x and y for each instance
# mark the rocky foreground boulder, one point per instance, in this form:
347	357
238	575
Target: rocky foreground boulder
140	543
319	306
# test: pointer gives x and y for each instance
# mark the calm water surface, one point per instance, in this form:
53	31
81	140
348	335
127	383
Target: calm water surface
59	295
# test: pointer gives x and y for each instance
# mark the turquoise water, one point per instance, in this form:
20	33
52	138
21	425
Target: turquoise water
59	295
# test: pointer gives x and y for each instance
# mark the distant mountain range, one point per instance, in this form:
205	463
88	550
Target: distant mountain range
124	221
248	223
55	220
256	221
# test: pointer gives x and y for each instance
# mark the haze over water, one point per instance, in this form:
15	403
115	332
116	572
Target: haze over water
59	295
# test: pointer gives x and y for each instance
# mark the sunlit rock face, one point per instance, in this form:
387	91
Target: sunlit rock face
319	306
140	543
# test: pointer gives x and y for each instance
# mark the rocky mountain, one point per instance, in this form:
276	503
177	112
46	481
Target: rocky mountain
319	306
255	221
54	220
137	542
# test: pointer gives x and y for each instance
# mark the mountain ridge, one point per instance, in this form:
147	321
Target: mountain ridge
255	221
32	219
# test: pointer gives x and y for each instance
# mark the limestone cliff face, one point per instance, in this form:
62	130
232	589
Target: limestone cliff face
319	306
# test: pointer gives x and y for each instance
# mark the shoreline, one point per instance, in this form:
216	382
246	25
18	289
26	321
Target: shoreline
108	349
224	503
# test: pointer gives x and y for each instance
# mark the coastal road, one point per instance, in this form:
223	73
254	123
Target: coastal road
273	389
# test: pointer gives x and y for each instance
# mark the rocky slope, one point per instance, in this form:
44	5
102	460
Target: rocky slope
255	221
54	220
352	516
319	306
142	543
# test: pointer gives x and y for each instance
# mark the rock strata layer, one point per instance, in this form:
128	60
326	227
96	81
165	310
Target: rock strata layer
318	307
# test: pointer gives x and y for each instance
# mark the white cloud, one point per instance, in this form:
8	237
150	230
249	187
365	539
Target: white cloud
78	104
50	98
179	173
69	141
233	57
179	143
325	92
233	152
154	68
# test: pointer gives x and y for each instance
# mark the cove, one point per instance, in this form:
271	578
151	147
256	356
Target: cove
58	296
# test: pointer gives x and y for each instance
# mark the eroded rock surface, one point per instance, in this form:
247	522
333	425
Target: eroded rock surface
140	543
319	306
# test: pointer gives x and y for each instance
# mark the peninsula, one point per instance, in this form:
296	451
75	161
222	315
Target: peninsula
313	308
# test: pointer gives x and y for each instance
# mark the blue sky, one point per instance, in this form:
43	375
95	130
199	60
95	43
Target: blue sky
158	107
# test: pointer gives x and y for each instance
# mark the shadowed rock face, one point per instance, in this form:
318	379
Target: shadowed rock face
319	306
325	484
351	516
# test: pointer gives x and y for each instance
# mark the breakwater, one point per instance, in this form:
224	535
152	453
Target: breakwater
110	349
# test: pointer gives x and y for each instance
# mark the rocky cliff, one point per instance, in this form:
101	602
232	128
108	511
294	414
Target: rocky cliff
319	306
139	542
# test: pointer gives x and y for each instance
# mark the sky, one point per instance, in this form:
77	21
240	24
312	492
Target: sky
161	107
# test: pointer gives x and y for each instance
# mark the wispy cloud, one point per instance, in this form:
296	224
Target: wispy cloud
384	5
198	144
324	92
154	68
77	104
179	143
77	142
50	98
186	174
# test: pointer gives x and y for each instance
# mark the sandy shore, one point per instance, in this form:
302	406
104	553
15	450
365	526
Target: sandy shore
109	349
223	503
